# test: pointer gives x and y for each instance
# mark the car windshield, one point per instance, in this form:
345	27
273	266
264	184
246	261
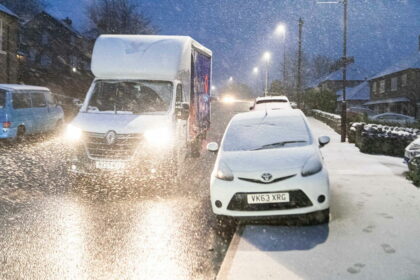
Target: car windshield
130	97
2	98
270	133
272	101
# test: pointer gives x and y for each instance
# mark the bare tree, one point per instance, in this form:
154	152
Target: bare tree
118	17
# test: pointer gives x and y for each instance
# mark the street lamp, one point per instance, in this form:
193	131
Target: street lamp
345	61
230	79
281	31
266	58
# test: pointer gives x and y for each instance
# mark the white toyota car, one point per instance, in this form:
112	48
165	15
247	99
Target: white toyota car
270	164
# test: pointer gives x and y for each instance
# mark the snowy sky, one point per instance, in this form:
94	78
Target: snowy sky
381	32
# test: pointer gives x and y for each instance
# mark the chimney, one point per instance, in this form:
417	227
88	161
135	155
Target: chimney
67	21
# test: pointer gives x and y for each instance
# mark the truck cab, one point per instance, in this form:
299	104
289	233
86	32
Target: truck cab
148	107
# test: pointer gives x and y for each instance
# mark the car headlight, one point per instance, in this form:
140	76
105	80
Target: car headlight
224	172
158	137
312	166
73	133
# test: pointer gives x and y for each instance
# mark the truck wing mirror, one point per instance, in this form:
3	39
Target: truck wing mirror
183	111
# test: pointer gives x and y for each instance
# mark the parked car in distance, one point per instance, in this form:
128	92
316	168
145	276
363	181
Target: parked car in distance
271	103
26	110
393	118
269	164
353	111
412	150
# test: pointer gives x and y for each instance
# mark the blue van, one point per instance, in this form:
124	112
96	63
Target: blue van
26	110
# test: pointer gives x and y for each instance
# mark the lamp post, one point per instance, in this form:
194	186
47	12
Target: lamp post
345	60
281	31
266	58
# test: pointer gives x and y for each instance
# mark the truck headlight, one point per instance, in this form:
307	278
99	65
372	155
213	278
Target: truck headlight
158	137
312	165
224	172
73	133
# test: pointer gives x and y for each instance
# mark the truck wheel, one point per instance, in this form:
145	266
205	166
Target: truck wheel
195	148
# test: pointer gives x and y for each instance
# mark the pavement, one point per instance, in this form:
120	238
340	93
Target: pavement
374	232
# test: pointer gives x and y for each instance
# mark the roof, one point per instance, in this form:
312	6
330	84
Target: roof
5	10
60	22
359	92
21	87
388	100
410	62
354	73
151	57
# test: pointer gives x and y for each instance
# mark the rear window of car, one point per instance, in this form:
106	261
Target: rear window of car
2	98
38	99
21	100
272	100
246	135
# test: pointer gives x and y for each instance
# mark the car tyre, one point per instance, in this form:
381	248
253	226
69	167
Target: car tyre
20	135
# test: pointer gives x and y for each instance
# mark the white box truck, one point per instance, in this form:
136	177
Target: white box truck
148	107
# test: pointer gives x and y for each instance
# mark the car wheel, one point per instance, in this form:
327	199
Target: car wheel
20	134
321	217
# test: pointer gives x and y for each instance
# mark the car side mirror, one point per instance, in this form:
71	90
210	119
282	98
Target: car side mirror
183	111
323	140
251	108
212	147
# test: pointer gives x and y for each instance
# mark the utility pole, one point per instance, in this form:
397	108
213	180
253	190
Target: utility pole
299	78
344	105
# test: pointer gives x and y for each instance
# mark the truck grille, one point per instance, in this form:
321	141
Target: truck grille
123	148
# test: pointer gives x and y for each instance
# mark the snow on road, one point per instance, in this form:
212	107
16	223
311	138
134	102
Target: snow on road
374	232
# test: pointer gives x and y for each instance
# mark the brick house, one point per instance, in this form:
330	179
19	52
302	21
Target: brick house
334	81
9	28
397	88
55	55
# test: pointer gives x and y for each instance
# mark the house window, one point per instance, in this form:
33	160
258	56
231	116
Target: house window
45	60
2	43
73	60
394	84
32	54
382	86
374	88
404	80
44	38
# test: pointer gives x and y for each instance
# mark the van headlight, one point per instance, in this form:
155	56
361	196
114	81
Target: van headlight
158	137
224	172
73	133
312	166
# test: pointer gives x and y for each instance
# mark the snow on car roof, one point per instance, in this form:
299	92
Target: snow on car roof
22	87
272	97
266	114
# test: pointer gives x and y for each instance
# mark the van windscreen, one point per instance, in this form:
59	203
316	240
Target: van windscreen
130	97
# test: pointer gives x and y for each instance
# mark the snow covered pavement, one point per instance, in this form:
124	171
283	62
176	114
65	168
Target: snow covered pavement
374	232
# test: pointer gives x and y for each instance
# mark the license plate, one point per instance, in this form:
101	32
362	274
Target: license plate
258	198
110	165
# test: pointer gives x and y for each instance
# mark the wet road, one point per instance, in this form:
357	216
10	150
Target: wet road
53	226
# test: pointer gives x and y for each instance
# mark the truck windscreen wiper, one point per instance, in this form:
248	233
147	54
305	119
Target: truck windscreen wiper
278	144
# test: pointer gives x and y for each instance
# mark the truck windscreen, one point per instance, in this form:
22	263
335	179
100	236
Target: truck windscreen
130	97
